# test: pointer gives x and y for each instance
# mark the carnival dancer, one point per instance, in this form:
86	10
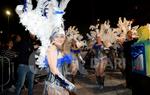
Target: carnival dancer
76	43
78	61
102	41
100	60
75	63
56	59
46	22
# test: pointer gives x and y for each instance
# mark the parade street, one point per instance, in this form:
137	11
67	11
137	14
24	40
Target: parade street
86	85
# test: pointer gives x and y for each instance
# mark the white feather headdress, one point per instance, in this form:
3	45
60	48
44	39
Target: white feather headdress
42	21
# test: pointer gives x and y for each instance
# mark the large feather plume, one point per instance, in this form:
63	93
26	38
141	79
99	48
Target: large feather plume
42	21
73	34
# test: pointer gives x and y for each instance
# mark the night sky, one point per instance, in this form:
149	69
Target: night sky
83	13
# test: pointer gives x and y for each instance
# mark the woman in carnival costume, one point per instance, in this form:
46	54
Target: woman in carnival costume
46	22
100	60
74	51
76	42
76	65
100	47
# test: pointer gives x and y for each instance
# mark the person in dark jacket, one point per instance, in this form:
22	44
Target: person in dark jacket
128	58
24	48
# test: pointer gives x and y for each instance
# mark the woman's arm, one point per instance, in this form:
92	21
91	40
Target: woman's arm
52	60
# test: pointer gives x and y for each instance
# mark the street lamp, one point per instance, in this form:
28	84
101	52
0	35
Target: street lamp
8	13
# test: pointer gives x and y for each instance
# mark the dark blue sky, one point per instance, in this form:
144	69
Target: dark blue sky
82	13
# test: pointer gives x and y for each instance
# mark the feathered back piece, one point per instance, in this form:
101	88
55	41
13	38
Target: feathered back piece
45	20
124	26
104	31
110	35
73	34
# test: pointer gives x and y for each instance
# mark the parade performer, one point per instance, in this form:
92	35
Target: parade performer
100	60
46	22
100	46
76	43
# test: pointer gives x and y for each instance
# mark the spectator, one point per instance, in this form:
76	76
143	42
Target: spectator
127	54
24	48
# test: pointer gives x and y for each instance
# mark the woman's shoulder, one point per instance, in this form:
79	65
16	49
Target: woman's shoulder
52	48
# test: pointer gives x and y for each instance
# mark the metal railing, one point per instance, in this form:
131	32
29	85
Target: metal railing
4	61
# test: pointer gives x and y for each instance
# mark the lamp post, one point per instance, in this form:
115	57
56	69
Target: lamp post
8	13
